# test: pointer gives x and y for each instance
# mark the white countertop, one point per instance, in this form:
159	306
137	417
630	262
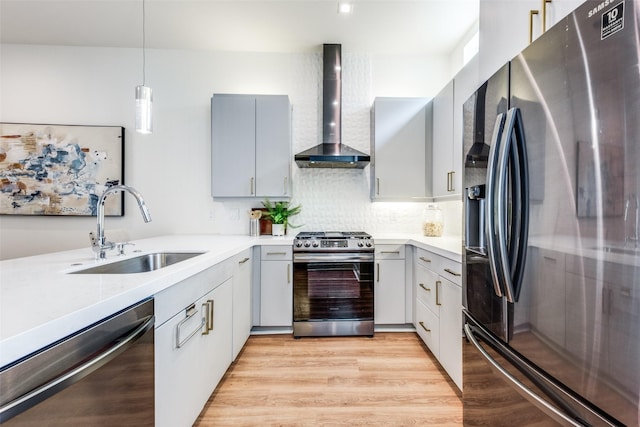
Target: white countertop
40	303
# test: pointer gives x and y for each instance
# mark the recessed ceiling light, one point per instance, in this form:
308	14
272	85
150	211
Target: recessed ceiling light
345	8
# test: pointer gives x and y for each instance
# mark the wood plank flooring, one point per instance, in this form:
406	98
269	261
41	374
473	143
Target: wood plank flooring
389	380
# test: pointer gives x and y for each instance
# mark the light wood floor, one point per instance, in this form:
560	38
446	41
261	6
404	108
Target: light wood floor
389	380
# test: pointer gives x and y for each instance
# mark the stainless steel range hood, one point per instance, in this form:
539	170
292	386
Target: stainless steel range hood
332	153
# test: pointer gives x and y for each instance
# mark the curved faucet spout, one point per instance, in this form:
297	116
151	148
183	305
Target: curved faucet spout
98	242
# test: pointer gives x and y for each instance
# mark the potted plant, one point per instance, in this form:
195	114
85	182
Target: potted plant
278	213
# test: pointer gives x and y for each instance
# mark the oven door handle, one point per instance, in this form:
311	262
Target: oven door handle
332	257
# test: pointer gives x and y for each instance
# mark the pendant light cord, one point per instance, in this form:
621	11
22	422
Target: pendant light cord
144	58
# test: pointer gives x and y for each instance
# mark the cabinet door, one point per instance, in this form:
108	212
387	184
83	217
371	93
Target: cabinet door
428	328
216	352
241	301
178	369
449	297
399	147
442	164
273	146
276	293
233	136
389	294
504	31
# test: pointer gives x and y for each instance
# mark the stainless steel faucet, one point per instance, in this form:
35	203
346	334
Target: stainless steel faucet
99	243
627	236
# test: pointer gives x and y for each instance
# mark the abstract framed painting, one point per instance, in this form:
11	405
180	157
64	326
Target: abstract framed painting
60	170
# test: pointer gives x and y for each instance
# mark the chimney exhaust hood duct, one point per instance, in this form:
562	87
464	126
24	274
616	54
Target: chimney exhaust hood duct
332	153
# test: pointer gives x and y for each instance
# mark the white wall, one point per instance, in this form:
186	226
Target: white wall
171	167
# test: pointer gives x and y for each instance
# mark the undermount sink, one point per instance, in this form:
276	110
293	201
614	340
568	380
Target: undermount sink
617	250
140	264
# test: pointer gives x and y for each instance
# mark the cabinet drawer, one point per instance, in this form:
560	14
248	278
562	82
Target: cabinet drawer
450	270
275	253
389	252
426	287
428	328
426	259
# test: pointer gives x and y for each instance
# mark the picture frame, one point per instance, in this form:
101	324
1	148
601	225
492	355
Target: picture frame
60	170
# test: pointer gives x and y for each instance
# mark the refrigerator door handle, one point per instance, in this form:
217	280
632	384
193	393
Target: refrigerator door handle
512	163
489	206
522	389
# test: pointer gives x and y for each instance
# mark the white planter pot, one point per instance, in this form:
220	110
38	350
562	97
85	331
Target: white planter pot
277	229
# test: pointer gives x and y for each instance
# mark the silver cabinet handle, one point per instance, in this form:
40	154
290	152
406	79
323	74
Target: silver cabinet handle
425	259
276	253
208	310
288	273
452	272
191	311
390	252
438	283
251	186
377	186
378	272
424	287
284	186
424	327
243	261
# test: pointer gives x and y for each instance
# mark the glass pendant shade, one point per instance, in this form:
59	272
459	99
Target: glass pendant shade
144	116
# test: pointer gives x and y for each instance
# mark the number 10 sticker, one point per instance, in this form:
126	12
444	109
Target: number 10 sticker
612	21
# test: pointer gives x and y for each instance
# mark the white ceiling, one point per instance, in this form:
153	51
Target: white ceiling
376	26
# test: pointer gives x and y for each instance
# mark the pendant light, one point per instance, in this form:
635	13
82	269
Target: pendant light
144	95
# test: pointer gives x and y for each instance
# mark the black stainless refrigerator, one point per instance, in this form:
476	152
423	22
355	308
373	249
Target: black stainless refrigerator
552	242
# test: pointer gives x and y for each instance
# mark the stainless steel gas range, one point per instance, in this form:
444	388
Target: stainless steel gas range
333	284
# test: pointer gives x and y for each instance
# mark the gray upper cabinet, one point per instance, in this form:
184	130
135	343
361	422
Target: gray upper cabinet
401	149
251	145
446	171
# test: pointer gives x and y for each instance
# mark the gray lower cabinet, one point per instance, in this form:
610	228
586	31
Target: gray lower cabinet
276	286
251	146
438	309
242	304
389	284
193	343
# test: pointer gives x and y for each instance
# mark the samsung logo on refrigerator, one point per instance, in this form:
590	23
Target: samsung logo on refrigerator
601	6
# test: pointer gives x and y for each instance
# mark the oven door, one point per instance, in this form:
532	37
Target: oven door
332	286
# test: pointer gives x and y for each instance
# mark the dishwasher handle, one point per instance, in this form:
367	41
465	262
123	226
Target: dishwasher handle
69	378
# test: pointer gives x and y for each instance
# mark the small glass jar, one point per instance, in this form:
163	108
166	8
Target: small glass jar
432	221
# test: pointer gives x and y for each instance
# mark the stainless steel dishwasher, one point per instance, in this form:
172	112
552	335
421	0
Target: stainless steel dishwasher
102	375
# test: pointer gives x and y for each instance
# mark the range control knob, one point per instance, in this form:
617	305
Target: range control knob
369	244
360	244
298	244
315	244
307	244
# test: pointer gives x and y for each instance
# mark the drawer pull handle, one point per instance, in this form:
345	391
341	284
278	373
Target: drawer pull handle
276	253
390	252
191	311
243	261
424	327
438	282
425	259
424	287
288	273
378	272
452	272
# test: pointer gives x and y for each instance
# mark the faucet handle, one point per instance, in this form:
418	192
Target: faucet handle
120	247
